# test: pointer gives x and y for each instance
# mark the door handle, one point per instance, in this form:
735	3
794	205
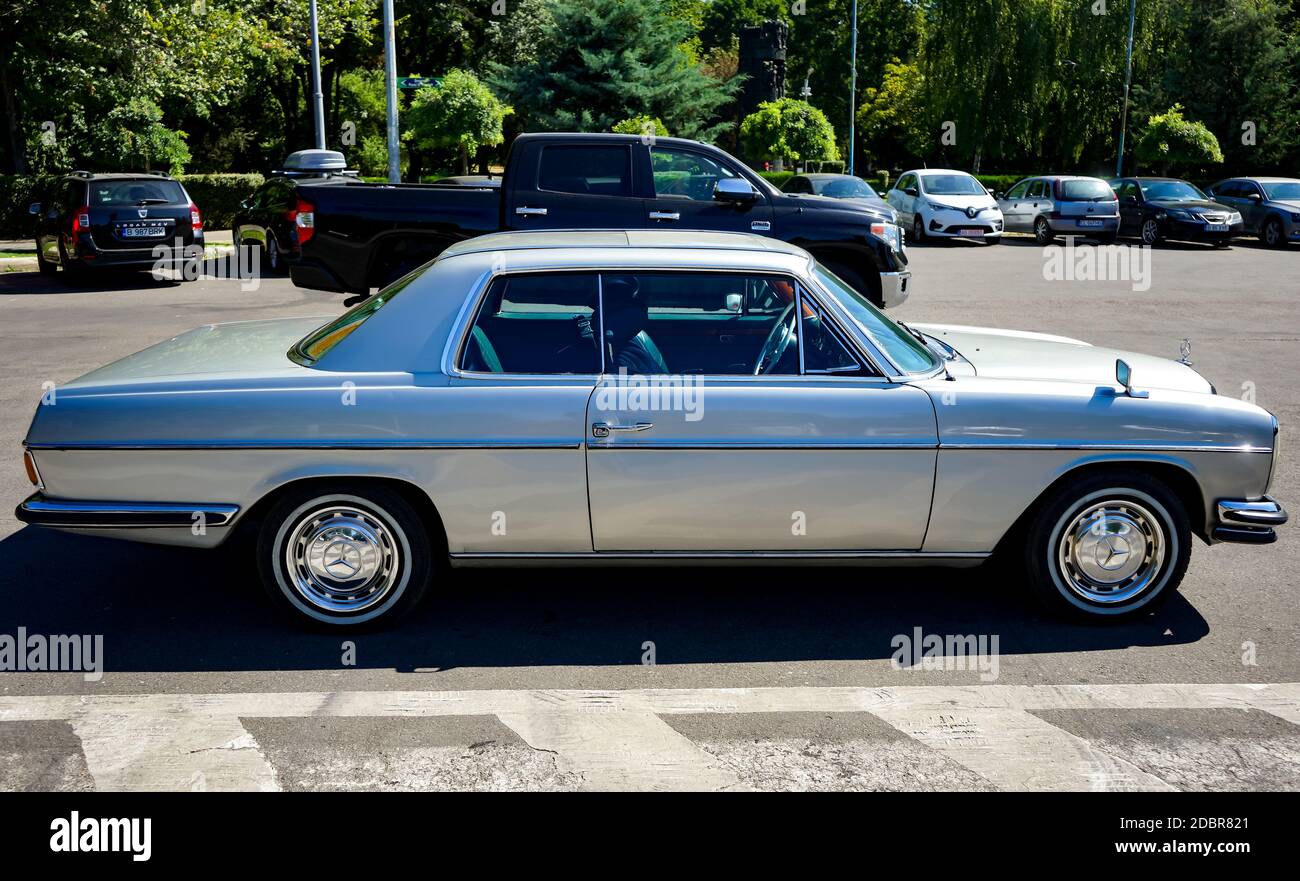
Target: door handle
665	215
531	212
602	429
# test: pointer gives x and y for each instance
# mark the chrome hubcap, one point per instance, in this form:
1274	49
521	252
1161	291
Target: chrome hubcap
1112	551
341	559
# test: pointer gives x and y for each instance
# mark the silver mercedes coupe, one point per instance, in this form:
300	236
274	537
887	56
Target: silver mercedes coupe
649	397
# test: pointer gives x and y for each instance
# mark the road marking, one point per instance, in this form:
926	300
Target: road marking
615	738
619	749
1015	750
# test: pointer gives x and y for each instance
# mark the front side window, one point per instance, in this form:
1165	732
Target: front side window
536	324
589	170
903	349
1018	191
682	174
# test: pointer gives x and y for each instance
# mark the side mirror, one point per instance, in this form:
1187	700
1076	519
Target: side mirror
1000	195
734	189
1124	376
246	204
912	191
1255	197
734	302
34	208
1129	199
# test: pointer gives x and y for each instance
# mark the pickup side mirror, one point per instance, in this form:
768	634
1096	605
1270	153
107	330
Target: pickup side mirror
734	189
34	208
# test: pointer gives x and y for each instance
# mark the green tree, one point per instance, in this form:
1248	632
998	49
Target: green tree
602	61
640	125
133	137
1171	140
788	129
460	112
891	124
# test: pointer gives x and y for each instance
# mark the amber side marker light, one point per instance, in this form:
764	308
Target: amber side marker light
29	462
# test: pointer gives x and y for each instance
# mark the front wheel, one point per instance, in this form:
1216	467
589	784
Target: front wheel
1107	546
345	557
1150	231
1273	235
918	229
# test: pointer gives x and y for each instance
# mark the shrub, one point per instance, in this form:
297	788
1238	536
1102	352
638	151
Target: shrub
218	195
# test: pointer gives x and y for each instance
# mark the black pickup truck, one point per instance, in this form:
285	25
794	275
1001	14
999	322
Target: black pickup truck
354	236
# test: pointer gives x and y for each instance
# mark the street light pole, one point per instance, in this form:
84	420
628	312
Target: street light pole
1128	81
853	81
317	97
390	83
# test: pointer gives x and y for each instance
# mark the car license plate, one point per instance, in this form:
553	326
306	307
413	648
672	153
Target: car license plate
1089	223
976	233
1216	227
153	231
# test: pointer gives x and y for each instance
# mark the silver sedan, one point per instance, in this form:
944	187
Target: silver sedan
649	397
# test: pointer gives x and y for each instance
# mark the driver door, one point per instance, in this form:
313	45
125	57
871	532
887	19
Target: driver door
819	453
684	181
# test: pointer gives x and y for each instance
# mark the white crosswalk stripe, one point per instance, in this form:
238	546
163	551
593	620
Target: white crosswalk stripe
625	739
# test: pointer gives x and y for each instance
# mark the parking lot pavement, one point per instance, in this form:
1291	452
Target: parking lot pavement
180	625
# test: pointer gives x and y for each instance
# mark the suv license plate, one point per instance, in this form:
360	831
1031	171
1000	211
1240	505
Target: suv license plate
144	232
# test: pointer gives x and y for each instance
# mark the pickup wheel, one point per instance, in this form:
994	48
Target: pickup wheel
344	558
1107	546
855	280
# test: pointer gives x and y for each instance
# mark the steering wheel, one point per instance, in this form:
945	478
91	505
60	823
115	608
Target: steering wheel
776	343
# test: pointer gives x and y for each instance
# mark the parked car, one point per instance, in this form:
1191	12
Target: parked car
357	236
942	203
1159	208
114	221
1269	206
268	220
833	186
1057	204
650	396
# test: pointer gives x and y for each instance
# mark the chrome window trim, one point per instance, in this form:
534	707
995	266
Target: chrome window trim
837	334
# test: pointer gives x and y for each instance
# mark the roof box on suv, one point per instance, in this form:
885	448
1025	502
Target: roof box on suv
314	162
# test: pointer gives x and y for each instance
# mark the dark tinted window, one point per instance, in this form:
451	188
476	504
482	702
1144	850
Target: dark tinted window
535	324
135	192
604	171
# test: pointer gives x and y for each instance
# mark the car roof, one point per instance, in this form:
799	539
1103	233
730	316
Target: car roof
824	175
922	172
1264	180
118	175
601	138
572	239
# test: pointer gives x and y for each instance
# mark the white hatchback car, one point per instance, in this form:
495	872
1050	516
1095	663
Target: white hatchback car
942	203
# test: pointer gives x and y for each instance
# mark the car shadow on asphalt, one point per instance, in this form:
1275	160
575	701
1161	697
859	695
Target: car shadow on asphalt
183	610
107	281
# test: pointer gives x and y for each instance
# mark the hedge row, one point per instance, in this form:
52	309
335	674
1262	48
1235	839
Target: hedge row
217	195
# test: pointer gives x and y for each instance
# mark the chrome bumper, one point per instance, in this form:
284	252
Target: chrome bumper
40	511
894	287
1248	522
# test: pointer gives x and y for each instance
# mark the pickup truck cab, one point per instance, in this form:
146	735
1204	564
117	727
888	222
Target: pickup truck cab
355	236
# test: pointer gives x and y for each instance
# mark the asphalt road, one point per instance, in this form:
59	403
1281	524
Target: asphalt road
183	623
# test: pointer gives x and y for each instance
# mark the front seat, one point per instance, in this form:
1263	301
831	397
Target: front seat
627	343
480	356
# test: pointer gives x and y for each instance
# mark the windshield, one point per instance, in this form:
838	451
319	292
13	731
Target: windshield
843	188
314	345
1171	191
1086	191
1284	191
951	185
901	347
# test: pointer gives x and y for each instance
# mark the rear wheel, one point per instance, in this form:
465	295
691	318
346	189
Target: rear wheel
1107	546
346	557
1043	231
274	261
1150	231
1272	234
72	271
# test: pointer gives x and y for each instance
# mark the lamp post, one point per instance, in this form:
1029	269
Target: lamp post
1128	82
853	80
390	85
317	97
